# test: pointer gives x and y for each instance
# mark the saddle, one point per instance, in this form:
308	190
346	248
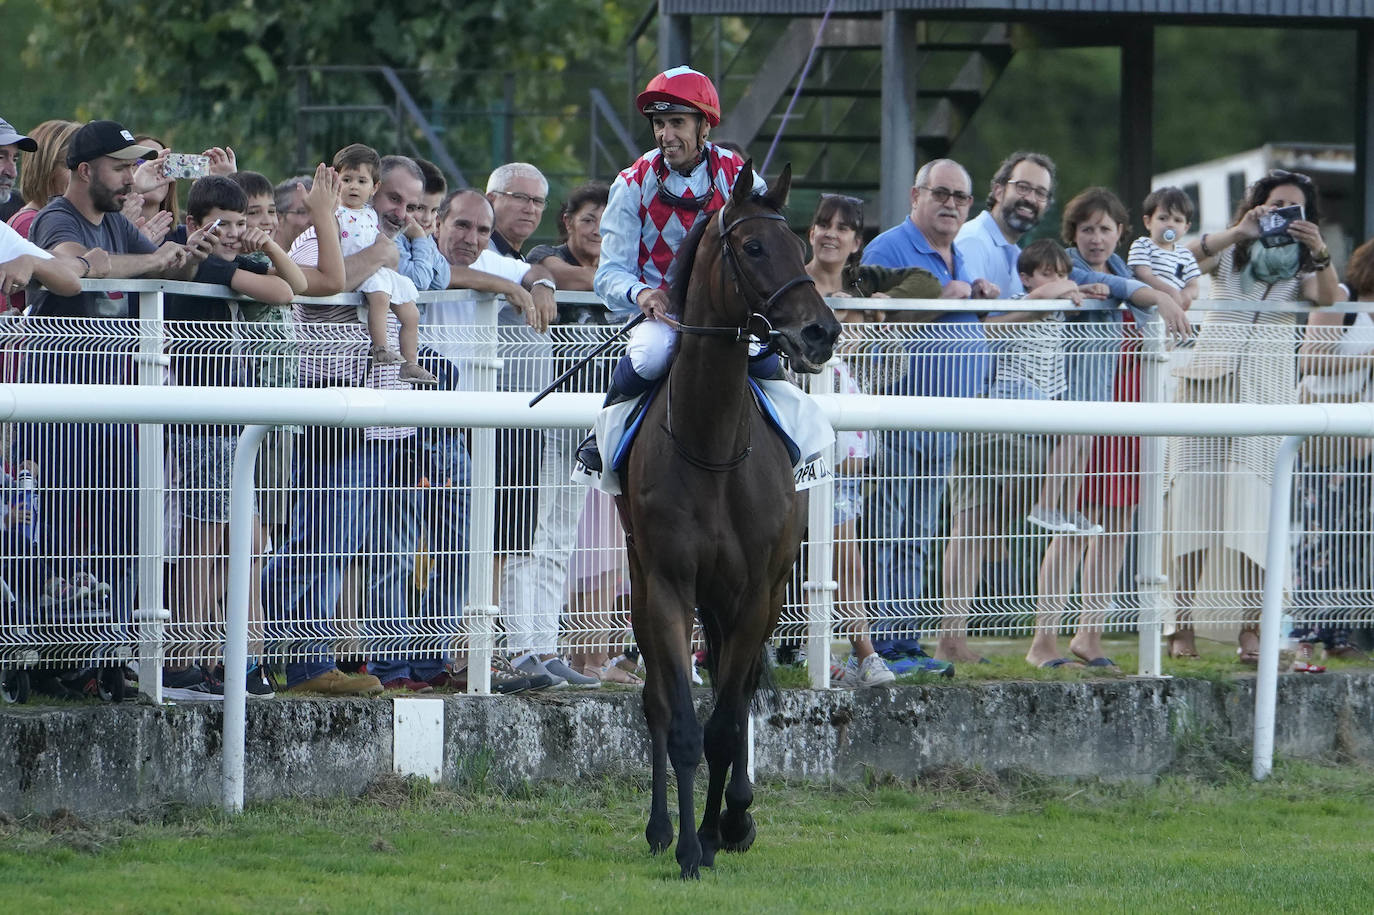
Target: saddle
789	412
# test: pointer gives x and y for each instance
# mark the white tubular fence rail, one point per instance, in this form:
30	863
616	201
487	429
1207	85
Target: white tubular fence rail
973	468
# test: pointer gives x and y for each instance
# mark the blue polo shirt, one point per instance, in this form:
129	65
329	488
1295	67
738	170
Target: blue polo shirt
989	256
953	360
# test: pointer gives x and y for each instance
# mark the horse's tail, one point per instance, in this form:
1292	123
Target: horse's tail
767	697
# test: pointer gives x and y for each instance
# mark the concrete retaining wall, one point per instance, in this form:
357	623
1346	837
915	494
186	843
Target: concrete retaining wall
106	760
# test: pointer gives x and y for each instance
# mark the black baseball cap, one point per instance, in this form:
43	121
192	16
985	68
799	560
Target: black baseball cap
104	138
11	137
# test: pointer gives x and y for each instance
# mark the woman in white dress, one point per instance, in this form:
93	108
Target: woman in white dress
1217	500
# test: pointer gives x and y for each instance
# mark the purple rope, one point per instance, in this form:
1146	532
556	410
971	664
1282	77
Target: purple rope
806	69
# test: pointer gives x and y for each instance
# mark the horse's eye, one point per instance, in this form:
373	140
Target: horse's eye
753	248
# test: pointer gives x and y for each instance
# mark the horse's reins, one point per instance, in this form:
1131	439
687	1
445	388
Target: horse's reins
758	310
740	334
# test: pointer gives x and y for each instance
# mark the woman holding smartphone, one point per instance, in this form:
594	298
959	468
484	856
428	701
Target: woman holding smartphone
1217	489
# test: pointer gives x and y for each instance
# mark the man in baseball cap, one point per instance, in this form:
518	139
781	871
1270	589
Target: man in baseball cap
11	137
102	157
104	138
11	142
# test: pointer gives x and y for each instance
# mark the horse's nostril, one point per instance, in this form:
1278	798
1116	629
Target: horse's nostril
818	334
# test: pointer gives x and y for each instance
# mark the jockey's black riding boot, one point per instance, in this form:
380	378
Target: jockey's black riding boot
626	384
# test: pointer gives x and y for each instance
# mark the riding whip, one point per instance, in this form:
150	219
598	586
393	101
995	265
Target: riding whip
581	363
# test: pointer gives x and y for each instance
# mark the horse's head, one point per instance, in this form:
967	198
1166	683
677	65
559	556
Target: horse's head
770	273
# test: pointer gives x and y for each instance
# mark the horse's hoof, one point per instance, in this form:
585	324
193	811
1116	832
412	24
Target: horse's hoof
689	856
660	836
737	831
708	854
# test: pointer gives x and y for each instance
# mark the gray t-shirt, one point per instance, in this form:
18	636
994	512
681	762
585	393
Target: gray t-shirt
60	222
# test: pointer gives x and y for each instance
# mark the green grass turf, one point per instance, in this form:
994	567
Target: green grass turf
962	841
1007	661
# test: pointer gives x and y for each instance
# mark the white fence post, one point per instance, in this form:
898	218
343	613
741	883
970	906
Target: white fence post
1275	575
480	613
820	585
241	585
150	613
1150	577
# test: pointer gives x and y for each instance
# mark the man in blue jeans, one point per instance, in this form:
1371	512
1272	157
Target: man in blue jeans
952	361
358	492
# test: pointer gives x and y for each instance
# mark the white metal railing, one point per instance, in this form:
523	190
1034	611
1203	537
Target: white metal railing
357	408
486	353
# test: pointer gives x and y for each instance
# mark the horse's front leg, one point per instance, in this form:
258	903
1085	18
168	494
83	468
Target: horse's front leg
663	631
659	831
684	750
737	825
719	746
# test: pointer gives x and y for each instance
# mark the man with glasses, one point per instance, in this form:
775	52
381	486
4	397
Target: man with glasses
11	142
537	511
1020	192
1018	195
293	216
949	358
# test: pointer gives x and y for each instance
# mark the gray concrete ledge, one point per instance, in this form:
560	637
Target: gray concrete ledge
106	760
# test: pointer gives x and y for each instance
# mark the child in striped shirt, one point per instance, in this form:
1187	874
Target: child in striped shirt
1159	259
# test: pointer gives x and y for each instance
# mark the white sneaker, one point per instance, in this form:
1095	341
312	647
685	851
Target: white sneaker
555	667
1051	519
1082	525
532	667
874	672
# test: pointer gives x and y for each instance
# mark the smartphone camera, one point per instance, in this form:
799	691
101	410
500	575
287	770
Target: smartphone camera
186	166
1274	226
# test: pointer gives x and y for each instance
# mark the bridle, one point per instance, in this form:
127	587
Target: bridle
756	301
758	306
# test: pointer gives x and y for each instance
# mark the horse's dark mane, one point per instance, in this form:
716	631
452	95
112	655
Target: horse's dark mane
682	263
687	254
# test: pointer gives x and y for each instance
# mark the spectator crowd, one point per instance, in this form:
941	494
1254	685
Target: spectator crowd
361	539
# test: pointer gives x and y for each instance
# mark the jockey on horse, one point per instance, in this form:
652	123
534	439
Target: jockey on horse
653	205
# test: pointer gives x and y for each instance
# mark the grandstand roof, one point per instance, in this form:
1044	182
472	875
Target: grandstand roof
1256	12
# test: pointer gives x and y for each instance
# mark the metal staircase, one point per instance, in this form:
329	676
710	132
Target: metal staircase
832	135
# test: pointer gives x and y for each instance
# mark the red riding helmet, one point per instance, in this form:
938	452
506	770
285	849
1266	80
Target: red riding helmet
681	89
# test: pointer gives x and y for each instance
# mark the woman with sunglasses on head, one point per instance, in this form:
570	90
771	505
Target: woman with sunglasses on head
836	237
153	204
1217	490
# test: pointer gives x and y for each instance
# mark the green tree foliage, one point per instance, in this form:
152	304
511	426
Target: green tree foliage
1217	92
202	72
198	73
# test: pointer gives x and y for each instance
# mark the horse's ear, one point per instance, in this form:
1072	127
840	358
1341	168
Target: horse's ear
777	194
744	183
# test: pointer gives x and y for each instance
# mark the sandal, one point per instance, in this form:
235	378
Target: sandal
1181	648
610	672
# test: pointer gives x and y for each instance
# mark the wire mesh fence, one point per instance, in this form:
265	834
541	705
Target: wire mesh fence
384	543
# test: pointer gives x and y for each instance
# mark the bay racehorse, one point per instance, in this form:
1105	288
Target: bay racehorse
713	519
